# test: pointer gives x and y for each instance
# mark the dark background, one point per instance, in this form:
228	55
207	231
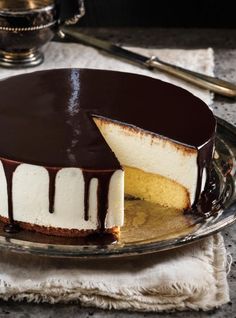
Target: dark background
156	13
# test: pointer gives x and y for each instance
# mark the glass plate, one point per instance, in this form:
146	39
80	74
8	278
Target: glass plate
148	227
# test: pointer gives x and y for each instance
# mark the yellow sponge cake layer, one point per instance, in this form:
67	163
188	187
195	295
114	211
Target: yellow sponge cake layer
155	188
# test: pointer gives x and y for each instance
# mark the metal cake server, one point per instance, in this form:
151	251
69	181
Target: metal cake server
213	84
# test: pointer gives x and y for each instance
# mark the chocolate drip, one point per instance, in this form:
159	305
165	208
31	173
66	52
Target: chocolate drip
87	178
209	200
102	194
52	172
9	169
204	160
212	197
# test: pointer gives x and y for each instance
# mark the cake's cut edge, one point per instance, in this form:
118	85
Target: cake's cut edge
156	156
130	130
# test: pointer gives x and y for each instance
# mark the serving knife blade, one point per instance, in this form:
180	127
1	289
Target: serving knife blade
214	84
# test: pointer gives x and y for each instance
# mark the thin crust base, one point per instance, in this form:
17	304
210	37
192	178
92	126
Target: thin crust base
60	231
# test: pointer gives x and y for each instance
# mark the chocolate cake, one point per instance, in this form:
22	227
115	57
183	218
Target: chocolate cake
71	138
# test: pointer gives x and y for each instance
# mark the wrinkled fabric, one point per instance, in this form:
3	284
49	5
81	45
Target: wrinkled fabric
190	277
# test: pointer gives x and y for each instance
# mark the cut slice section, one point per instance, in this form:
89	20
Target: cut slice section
156	169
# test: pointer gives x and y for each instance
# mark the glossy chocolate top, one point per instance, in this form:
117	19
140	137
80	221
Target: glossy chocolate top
46	117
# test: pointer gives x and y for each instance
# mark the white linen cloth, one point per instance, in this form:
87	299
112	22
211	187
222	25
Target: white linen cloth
191	277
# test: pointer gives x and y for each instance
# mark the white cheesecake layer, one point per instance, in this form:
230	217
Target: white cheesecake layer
153	154
31	198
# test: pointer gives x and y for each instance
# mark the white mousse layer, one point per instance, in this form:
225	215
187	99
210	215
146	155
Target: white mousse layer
150	153
31	198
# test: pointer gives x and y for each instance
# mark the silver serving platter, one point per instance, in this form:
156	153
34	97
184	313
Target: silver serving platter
148	227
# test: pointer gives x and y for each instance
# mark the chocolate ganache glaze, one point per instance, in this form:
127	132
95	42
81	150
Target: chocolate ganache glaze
46	119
